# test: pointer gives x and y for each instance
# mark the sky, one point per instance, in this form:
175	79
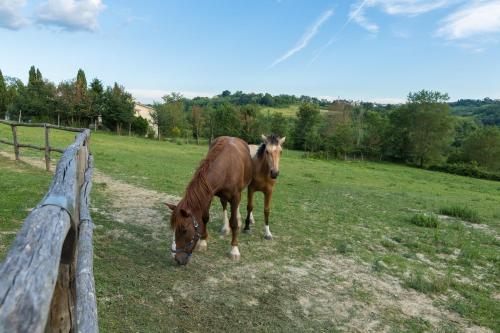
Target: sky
370	50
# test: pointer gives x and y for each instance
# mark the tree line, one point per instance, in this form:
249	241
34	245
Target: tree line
72	103
422	132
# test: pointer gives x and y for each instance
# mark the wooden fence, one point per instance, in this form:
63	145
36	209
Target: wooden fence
47	148
46	280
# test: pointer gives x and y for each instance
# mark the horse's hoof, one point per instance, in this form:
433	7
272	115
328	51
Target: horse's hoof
234	254
247	231
268	237
234	257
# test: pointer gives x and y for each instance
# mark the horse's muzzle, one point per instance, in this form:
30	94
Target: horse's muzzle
181	258
274	174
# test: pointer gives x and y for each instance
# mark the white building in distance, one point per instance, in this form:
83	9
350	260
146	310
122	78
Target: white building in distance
144	111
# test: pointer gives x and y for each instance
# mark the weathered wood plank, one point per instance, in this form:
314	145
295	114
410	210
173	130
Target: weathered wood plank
29	273
59	150
6	142
16	143
41	274
47	149
86	305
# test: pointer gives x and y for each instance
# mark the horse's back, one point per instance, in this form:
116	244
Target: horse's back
231	162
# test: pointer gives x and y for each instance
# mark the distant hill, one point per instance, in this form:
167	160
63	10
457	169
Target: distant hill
487	111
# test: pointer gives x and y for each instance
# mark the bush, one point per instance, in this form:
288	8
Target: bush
467	169
463	213
140	126
424	220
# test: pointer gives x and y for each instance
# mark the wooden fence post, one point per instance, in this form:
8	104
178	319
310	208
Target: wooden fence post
16	144
47	148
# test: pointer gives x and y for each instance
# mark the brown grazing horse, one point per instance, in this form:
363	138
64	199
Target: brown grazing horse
266	164
225	172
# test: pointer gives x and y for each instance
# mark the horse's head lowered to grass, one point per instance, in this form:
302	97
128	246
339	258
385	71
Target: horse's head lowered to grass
186	231
270	151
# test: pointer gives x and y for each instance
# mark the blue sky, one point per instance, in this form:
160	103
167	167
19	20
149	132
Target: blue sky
377	50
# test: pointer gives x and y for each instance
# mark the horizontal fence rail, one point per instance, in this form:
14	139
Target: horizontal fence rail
46	280
47	148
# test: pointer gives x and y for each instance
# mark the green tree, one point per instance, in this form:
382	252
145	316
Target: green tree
483	147
375	129
307	126
197	122
3	96
118	108
81	102
96	100
279	124
422	129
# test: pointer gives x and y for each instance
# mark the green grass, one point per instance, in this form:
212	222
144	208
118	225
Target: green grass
425	220
335	224
462	212
21	188
289	111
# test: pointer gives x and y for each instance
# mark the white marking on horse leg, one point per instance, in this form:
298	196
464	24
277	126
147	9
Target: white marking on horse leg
201	245
239	218
172	247
235	253
225	225
252	221
267	233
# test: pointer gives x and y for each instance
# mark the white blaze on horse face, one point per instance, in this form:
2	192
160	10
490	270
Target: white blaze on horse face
173	247
273	156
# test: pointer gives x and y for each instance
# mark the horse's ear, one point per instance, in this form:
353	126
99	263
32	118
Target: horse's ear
282	141
171	206
264	138
185	212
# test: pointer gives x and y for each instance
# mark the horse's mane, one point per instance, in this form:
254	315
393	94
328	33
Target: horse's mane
199	191
272	139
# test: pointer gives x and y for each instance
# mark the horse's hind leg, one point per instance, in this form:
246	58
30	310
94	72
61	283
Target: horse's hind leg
249	220
225	223
267	210
235	202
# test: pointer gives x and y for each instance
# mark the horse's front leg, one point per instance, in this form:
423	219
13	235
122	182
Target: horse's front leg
249	220
267	209
202	243
235	203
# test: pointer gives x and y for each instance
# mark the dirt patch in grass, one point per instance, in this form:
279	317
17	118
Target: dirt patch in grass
132	204
354	298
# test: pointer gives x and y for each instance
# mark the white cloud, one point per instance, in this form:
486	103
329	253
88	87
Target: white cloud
10	14
474	20
393	7
306	37
150	95
70	14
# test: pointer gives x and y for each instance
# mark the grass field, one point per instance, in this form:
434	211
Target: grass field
289	111
357	246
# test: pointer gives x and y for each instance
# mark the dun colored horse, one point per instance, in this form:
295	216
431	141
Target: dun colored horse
266	163
225	172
